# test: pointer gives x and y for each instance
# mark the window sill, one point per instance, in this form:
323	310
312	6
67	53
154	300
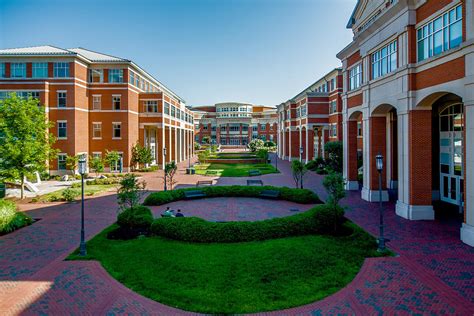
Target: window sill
96	138
116	138
62	138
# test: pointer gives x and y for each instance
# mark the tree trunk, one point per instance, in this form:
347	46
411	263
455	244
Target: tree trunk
22	190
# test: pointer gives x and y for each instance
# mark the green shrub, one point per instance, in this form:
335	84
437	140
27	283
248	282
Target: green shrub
70	194
10	218
302	196
318	220
105	181
138	217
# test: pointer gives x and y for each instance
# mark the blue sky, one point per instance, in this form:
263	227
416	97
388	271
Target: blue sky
207	51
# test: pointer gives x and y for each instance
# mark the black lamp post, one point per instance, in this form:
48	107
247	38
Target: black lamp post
82	172
164	166
379	166
189	157
276	157
301	153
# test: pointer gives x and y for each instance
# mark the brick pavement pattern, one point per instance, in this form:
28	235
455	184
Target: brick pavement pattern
433	274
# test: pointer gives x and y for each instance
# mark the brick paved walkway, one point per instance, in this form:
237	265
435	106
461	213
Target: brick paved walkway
434	273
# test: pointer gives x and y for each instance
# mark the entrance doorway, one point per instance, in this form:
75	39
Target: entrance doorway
451	149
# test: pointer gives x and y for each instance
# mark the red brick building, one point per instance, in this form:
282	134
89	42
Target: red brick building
99	102
235	124
409	77
310	119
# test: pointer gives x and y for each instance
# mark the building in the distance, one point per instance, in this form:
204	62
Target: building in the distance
99	103
235	124
409	77
310	119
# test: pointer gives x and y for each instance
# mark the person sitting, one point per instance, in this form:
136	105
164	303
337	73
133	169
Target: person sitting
168	213
179	214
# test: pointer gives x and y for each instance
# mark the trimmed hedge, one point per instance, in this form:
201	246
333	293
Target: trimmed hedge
302	196
318	220
139	217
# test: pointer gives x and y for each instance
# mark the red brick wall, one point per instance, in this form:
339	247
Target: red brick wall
355	100
353	59
429	8
446	72
352	150
419	125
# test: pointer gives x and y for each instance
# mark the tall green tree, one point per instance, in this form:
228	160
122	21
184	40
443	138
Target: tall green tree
141	155
25	141
71	163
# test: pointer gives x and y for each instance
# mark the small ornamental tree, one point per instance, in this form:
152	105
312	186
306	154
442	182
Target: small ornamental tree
141	155
170	172
130	192
334	151
71	163
263	154
298	170
96	164
256	144
334	184
206	140
25	141
203	156
112	158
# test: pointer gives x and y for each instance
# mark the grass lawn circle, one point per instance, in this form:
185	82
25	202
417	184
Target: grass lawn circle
233	278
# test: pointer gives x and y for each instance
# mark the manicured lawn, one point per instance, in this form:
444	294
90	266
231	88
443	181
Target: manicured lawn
89	190
234	170
234	278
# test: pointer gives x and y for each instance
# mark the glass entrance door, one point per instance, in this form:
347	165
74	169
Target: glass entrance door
451	154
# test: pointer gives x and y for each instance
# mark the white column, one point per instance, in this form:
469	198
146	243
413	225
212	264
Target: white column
169	145
350	185
176	151
163	145
388	150
300	144
469	19
467	229
307	145
289	144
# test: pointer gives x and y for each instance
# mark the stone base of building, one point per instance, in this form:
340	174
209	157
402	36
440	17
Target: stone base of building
415	212
374	195
467	234
352	185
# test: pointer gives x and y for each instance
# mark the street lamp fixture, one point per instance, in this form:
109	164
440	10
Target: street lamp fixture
164	167
189	156
379	166
276	157
301	153
82	172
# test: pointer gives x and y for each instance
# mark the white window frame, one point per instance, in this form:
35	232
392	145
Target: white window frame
64	155
60	67
116	72
387	54
114	124
355	77
96	102
17	70
94	129
99	71
96	154
153	104
58	92
114	98
428	32
39	67
58	128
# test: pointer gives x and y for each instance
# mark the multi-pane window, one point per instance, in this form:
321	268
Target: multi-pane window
204	127
234	128
39	70
303	110
97	130
61	70
116	100
116	75
333	130
173	111
263	127
167	108
359	129
131	78
96	102
97	155
255	128
384	60
2	70
96	75
151	106
62	161
440	34
178	114
116	130
288	114
62	97
21	94
333	107
333	84
18	70
298	112
355	77
62	129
